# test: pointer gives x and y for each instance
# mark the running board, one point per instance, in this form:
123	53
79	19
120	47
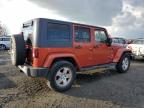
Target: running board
110	66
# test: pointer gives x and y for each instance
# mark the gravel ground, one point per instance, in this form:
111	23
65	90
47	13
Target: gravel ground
106	89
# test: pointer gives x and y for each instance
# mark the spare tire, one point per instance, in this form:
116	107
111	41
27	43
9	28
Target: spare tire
18	52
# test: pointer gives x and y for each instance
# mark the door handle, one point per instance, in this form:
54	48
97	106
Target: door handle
78	47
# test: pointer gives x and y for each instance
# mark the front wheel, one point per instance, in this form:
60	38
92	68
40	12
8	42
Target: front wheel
61	76
124	64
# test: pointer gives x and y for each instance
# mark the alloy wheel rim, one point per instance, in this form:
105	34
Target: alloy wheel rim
63	76
125	64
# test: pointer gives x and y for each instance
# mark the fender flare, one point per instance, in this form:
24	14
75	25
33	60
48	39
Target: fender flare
50	58
119	53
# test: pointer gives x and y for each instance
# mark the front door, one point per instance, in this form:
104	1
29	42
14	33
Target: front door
103	53
83	45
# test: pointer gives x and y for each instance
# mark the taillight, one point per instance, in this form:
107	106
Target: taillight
35	53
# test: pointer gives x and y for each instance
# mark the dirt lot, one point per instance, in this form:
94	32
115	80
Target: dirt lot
100	90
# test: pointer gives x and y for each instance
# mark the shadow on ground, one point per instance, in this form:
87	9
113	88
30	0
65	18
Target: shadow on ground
139	60
120	89
5	82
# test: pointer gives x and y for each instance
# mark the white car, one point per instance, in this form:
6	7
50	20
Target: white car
137	47
4	43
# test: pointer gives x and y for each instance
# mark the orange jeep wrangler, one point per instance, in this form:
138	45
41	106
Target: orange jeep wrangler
56	50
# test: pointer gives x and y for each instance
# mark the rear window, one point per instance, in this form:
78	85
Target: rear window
58	32
28	32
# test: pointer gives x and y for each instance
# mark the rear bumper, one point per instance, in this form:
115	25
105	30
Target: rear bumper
33	71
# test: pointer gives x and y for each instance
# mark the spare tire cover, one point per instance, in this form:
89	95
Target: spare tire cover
18	53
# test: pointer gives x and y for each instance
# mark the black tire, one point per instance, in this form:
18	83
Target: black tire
2	47
57	67
18	53
120	64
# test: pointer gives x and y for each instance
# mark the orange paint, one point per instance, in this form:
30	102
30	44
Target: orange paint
84	54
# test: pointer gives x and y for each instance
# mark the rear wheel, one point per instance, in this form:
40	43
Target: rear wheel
61	76
18	50
124	64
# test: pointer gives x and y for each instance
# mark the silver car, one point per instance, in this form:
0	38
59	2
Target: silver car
4	43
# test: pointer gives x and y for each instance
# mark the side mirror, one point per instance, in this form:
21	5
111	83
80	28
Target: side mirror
109	41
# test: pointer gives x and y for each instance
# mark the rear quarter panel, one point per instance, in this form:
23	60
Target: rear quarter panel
47	55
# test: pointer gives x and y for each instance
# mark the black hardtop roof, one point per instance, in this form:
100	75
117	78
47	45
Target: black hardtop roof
54	20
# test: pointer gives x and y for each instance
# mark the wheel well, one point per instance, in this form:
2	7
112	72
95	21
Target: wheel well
3	44
129	53
69	59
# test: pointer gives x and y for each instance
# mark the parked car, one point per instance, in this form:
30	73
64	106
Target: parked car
129	41
119	41
57	50
4	42
137	47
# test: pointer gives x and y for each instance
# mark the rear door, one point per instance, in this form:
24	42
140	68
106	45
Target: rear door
103	53
83	45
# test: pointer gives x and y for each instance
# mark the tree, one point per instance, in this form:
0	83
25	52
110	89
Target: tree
3	30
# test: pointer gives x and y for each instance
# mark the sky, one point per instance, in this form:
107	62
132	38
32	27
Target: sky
122	18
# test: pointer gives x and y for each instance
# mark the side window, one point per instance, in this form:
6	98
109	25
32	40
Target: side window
100	36
58	32
1	39
6	39
82	34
